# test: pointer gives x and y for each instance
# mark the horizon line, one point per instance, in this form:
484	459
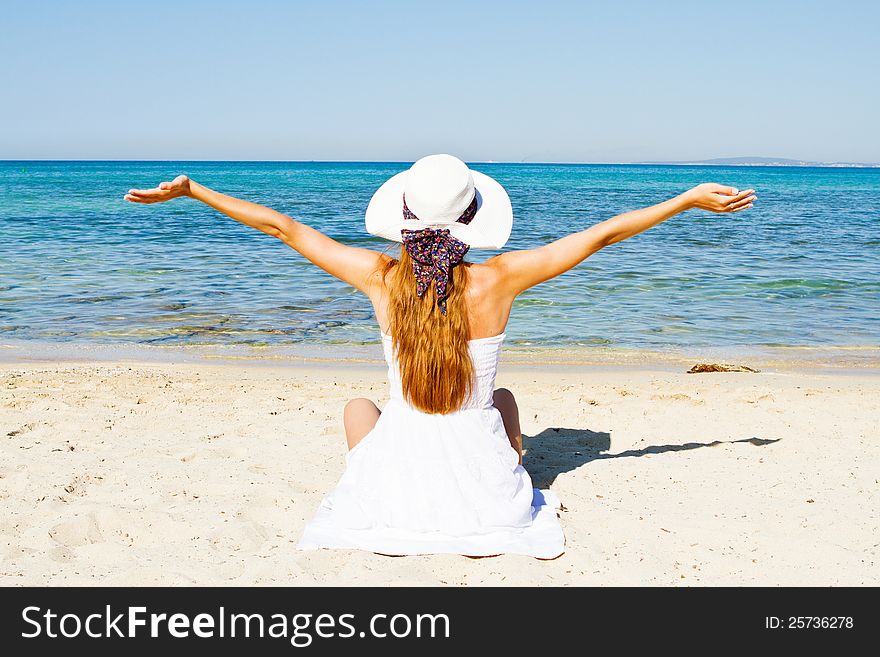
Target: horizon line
683	163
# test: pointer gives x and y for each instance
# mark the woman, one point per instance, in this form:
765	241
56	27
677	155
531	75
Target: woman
439	469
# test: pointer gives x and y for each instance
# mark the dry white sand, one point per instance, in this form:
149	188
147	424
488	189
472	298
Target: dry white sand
186	473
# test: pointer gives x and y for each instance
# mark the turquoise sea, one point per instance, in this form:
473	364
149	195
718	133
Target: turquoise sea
78	264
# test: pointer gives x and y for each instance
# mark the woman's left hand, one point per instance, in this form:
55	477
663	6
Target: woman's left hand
164	192
719	198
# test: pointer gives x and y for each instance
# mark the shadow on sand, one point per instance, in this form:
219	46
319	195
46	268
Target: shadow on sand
556	450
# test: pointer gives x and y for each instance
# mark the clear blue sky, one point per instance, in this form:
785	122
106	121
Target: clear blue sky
535	81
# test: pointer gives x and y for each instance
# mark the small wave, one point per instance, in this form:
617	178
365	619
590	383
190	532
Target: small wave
100	298
801	284
302	309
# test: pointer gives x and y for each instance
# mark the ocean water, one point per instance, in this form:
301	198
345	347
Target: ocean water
78	264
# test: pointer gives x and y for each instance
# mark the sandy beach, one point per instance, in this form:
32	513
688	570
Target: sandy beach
182	473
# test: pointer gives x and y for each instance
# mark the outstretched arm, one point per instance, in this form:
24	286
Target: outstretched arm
520	270
355	266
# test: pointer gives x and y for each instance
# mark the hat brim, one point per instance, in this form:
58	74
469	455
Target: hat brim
489	229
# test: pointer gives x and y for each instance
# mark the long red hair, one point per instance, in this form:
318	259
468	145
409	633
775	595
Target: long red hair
432	349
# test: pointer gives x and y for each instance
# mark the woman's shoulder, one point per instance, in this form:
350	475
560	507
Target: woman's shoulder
482	278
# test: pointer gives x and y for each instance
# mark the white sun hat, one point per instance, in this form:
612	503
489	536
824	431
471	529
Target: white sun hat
439	190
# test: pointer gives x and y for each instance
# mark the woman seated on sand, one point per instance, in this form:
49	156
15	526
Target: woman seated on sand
439	469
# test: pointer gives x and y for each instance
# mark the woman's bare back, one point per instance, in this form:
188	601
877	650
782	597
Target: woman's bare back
488	310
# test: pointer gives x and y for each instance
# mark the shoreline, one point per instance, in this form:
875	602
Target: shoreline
803	358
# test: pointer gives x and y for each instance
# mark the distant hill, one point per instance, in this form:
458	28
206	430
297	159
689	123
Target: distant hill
766	162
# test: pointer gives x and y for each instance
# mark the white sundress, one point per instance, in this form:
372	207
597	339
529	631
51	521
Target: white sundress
422	483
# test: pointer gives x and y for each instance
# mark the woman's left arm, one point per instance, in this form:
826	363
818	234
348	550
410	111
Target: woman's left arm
355	266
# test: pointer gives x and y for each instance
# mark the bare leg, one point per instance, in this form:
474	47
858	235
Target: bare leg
359	418
505	402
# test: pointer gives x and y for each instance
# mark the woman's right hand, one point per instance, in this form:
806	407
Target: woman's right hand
164	192
719	198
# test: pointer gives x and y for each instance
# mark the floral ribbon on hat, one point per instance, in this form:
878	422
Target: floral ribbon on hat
434	252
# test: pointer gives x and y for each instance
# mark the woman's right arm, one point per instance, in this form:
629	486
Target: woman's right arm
519	270
359	267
